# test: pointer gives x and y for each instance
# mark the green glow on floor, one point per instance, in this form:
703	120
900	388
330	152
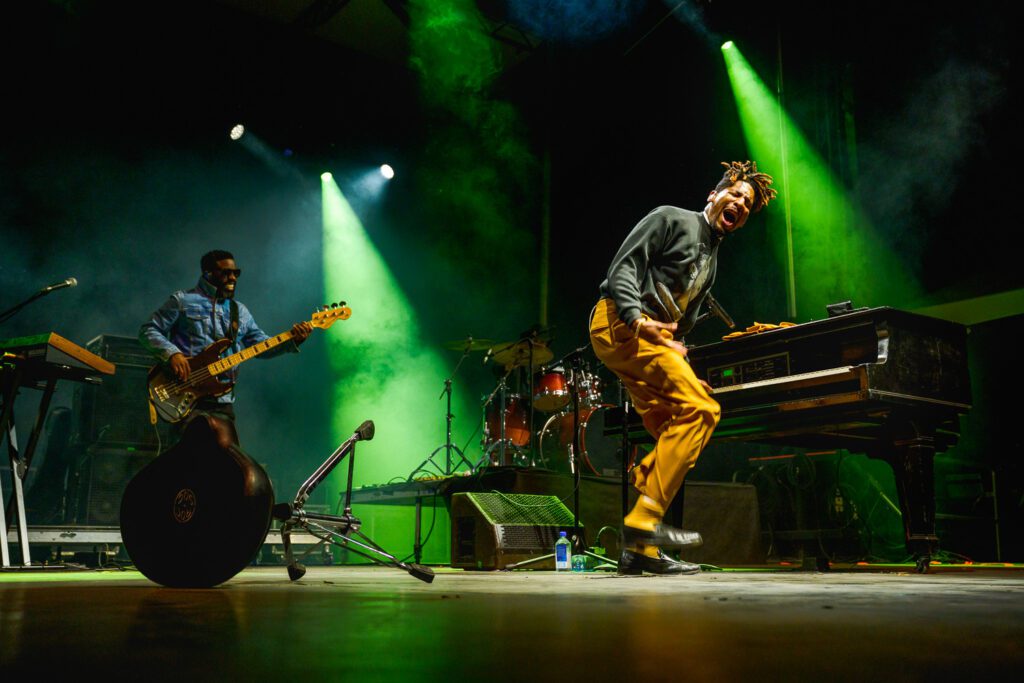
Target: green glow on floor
56	575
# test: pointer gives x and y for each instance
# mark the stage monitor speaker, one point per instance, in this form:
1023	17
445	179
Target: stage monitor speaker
102	480
116	412
493	530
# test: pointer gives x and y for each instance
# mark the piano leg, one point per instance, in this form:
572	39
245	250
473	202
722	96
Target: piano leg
911	456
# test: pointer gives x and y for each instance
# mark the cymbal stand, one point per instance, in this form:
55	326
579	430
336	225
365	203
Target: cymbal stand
448	446
341	531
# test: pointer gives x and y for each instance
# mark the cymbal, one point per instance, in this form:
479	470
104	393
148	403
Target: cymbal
517	354
469	344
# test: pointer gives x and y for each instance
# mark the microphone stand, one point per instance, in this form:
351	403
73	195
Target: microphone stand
342	531
715	310
11	312
448	446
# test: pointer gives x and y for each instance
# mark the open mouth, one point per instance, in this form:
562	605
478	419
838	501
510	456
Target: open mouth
729	217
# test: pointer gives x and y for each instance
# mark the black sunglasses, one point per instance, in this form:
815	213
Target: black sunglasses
237	272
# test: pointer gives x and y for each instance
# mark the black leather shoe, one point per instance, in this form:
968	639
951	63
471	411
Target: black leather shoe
634	564
663	536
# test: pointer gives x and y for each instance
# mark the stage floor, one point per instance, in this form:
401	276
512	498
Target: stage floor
370	623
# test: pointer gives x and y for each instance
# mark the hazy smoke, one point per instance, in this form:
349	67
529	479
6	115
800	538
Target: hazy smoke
573	20
919	156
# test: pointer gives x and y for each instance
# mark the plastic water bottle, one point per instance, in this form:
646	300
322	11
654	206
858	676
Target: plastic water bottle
563	553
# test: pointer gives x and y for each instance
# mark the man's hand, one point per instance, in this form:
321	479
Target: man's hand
659	333
179	366
301	332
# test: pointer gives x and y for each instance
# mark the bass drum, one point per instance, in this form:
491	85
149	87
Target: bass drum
600	453
199	513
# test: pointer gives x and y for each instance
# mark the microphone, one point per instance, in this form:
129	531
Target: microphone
365	431
70	282
719	312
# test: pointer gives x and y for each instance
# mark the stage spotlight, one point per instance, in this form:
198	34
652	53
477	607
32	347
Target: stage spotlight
326	176
237	131
727	45
387	171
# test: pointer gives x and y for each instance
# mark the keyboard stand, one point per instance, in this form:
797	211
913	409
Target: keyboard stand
11	379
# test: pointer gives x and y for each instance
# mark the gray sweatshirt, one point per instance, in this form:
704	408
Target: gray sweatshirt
665	268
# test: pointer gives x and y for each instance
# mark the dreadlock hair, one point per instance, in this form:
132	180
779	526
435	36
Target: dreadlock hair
747	170
209	261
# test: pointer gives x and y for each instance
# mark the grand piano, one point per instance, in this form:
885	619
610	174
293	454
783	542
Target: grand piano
880	381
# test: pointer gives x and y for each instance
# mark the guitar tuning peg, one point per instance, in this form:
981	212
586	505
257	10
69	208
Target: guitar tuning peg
343	303
335	305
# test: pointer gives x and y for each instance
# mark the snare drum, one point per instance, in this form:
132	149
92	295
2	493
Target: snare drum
550	390
517	430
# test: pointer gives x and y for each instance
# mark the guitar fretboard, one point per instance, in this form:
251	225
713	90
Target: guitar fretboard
245	354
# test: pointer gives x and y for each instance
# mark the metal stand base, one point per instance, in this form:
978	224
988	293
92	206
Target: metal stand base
342	531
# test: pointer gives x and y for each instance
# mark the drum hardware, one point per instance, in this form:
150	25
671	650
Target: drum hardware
579	541
342	531
507	421
529	351
467	345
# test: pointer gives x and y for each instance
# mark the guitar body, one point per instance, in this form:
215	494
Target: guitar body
198	514
173	399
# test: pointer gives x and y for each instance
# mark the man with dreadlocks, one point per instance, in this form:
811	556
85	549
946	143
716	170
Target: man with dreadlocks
656	284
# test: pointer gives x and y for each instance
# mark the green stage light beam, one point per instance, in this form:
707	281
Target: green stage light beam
831	251
384	371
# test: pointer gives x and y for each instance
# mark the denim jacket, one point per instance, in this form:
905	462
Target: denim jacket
190	321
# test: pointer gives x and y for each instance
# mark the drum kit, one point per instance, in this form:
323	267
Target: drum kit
533	388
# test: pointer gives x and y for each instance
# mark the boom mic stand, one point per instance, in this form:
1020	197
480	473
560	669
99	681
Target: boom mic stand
11	312
341	531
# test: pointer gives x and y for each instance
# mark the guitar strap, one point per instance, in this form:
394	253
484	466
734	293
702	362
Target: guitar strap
234	322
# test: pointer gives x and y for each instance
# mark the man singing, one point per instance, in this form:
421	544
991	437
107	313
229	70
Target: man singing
655	286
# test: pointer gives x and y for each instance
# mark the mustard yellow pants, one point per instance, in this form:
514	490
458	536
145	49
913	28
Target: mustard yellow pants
676	409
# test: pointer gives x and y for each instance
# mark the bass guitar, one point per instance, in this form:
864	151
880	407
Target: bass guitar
173	399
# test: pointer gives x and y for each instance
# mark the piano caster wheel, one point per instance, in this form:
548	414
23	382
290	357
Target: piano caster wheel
296	571
922	564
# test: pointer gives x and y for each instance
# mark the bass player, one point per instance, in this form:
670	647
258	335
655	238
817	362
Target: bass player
191	320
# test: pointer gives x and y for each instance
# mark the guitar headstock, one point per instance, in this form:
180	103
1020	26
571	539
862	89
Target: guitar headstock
328	314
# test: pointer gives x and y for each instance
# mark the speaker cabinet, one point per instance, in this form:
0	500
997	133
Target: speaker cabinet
494	530
116	412
102	480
